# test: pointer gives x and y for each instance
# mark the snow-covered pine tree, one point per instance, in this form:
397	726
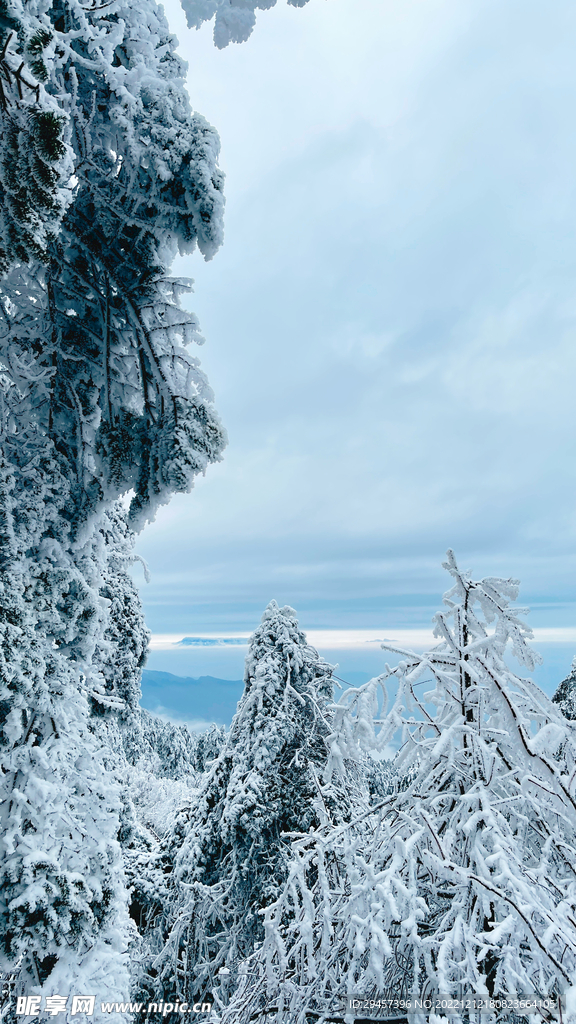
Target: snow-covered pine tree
93	336
63	912
465	880
105	173
565	695
121	653
209	745
230	851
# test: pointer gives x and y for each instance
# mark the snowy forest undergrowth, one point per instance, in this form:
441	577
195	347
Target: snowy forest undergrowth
277	867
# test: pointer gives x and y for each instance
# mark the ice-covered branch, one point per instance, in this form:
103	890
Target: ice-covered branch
234	20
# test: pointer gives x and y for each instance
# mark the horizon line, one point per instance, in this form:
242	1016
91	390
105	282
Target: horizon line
338	638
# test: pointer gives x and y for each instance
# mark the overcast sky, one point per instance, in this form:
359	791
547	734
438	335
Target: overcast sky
391	322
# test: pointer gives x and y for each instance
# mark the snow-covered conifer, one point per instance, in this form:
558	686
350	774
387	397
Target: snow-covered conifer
63	911
166	750
92	332
105	174
464	880
268	781
565	695
121	654
208	746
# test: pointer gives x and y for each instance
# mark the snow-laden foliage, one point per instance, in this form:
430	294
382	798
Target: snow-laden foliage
92	335
166	750
234	20
153	763
208	746
36	163
63	912
465	879
229	852
565	695
122	649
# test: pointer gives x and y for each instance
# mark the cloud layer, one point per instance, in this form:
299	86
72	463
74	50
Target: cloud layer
392	321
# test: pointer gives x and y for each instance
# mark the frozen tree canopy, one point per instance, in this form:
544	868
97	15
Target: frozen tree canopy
125	176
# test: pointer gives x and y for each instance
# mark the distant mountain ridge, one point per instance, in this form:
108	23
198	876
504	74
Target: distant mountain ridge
207	698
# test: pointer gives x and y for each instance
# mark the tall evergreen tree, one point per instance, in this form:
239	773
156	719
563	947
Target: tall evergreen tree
105	174
230	851
63	912
93	337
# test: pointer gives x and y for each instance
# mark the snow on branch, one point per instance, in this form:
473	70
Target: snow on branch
234	20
